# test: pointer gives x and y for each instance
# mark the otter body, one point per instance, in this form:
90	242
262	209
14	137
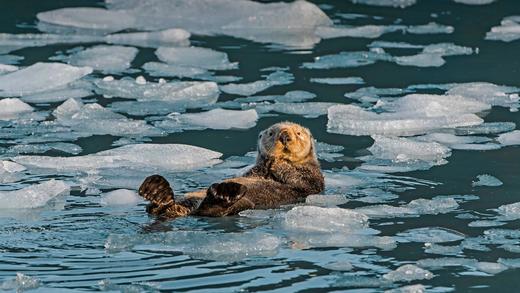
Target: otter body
286	171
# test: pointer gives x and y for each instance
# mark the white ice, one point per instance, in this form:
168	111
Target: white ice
431	235
475	2
120	197
107	59
416	207
326	200
390	3
12	108
338	80
488	93
40	77
507	31
486	180
164	69
330	220
169	37
366	31
20	283
195	57
307	110
248	89
212	119
57	95
430	28
408	273
510	211
509	138
33	196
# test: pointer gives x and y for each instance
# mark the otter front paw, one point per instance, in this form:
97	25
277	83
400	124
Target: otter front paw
157	190
226	193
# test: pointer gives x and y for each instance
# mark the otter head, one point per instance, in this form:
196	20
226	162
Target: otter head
287	141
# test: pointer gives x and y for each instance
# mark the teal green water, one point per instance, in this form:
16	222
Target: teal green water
67	243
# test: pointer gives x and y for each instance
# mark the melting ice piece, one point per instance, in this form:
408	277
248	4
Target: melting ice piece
438	263
475	2
348	59
40	77
317	219
42	148
486	180
486	128
164	69
92	119
431	55
108	59
411	119
491	268
185	92
339	80
507	31
171	157
248	89
391	3
33	196
416	207
328	152
308	110
170	37
488	93
430	28
417	288
326	200
366	31
431	235
5	68
213	119
13	108
57	95
195	57
20	283
510	211
289	97
509	138
460	142
121	197
408	273
204	245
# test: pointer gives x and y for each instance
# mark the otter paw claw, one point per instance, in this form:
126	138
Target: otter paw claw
157	190
227	192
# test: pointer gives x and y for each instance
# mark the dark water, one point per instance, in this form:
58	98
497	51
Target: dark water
67	244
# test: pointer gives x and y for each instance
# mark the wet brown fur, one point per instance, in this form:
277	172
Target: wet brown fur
286	171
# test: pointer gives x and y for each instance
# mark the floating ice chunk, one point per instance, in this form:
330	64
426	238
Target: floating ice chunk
147	108
88	18
507	31
317	219
366	31
438	263
328	152
39	77
92	119
213	119
460	142
13	108
10	167
491	268
289	97
485	223
308	110
195	57
408	273
353	120
430	28
442	249
326	200
42	148
178	92
487	128
421	60
510	211
338	266
418	288
486	180
431	235
339	80
4	68
20	283
170	37
57	96
108	59
509	138
399	45
487	93
436	105
170	157
163	69
33	196
475	2
248	89
121	197
204	245
348	59
416	207
390	3
510	262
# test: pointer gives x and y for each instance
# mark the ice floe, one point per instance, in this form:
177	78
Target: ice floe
164	69
212	119
326	200
195	57
486	180
307	110
12	108
248	89
169	37
408	273
507	31
58	95
509	138
39	77
431	235
120	197
495	95
33	196
107	59
338	80
416	207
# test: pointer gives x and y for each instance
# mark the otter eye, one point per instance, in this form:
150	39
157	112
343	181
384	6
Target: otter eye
299	133
270	133
259	135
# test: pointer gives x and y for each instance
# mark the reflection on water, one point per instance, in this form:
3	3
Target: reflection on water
413	105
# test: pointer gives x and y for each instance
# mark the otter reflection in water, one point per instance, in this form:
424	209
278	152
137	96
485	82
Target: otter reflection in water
286	171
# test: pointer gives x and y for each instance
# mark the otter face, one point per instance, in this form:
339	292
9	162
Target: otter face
287	141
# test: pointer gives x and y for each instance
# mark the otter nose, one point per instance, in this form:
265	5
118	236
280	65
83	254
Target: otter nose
284	136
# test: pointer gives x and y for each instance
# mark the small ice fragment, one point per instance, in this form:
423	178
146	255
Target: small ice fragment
12	108
326	200
108	78
120	197
169	37
438	263
11	167
339	80
389	3
408	273
57	95
491	268
403	150
418	288
338	266
486	180
33	196
442	249
509	138
4	68
510	211
195	57
307	110
431	234
213	119
108	59
164	69
21	283
140	80
430	28
475	2
39	77
317	219
489	93
248	89
347	59
366	31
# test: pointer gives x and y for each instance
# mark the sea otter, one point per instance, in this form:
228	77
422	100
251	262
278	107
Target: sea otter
286	171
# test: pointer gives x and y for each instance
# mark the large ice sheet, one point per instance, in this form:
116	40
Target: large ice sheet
34	196
195	57
170	157
186	93
213	119
108	59
40	77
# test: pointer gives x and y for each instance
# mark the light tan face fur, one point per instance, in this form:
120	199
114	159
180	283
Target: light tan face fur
287	141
